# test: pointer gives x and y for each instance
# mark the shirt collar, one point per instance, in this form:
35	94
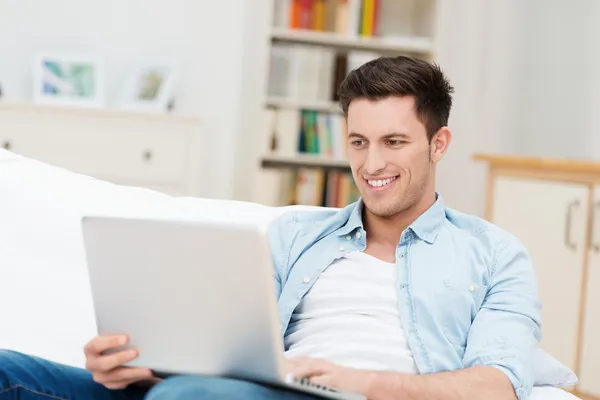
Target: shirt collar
354	220
426	227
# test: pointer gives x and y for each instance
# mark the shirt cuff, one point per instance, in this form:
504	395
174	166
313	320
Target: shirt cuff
521	391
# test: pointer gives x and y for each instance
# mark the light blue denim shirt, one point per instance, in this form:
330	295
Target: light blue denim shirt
467	292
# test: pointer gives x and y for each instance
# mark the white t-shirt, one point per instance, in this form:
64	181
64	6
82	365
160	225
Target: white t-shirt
350	317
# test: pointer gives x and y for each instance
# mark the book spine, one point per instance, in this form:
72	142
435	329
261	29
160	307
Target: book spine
295	11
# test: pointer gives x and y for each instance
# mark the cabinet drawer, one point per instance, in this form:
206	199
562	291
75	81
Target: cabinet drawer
133	157
554	233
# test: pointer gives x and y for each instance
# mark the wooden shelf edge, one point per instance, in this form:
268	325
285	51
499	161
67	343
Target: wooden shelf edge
408	44
538	163
331	107
98	112
304	161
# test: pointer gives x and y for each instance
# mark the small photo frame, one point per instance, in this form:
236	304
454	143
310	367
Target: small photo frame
150	87
68	81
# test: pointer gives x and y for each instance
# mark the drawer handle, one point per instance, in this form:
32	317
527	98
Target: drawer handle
6	145
147	156
568	242
595	245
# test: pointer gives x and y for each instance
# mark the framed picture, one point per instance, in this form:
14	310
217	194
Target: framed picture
70	81
150	87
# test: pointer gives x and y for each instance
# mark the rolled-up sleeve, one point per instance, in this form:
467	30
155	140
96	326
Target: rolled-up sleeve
506	331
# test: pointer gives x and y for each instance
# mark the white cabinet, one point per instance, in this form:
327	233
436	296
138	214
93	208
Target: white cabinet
549	218
158	152
589	373
553	206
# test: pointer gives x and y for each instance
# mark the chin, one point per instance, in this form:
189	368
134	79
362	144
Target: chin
383	209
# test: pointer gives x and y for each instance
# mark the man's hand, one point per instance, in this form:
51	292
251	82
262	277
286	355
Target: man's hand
108	370
476	382
325	373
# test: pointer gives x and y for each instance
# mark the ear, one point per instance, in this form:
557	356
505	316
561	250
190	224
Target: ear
439	144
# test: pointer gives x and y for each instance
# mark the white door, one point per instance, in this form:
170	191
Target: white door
589	373
549	218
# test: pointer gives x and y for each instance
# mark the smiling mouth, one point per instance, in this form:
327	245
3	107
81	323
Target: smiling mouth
381	183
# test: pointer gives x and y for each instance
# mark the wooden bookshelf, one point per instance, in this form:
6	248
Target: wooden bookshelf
305	161
310	47
386	45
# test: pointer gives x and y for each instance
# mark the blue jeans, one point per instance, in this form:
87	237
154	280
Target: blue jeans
24	377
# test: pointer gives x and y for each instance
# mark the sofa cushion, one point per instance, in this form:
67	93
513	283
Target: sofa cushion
44	287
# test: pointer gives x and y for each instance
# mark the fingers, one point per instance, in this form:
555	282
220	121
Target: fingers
307	371
299	361
102	343
307	367
108	369
122	377
101	363
97	361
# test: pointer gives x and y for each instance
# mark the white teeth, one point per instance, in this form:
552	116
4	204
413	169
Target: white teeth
381	182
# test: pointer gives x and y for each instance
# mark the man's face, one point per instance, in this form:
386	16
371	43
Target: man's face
389	154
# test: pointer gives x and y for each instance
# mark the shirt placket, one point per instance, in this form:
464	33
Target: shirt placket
406	304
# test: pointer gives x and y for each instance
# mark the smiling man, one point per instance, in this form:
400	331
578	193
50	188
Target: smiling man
411	299
395	296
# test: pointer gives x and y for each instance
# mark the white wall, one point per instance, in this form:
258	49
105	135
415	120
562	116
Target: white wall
594	85
458	53
258	17
527	79
206	37
560	80
478	43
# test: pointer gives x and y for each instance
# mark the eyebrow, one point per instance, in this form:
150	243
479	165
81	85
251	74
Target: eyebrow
388	136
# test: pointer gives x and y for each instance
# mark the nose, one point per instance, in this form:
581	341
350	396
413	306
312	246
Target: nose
375	162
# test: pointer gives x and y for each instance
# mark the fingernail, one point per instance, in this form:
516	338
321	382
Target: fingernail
122	340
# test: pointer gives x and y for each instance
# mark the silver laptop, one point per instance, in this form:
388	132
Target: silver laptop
196	298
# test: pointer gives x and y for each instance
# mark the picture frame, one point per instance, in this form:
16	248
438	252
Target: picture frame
68	81
150	87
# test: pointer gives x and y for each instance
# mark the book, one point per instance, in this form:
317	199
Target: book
346	17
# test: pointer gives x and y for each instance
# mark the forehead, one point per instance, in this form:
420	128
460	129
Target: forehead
382	117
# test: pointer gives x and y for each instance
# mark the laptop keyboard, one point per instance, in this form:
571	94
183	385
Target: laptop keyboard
306	382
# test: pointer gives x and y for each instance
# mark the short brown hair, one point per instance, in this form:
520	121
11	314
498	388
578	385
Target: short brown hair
402	76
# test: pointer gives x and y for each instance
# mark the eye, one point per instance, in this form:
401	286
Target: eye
357	143
394	142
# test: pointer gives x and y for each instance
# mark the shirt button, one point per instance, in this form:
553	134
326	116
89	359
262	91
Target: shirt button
348	237
471	288
342	249
306	279
358	235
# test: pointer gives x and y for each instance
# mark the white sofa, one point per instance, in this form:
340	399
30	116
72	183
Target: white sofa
44	294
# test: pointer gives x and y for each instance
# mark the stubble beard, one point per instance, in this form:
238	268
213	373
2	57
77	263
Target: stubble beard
400	201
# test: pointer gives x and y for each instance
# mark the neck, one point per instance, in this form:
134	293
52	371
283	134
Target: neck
388	230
